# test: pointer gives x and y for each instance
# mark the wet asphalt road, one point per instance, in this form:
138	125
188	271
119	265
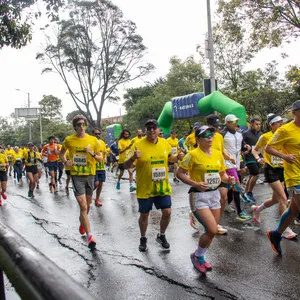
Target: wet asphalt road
244	266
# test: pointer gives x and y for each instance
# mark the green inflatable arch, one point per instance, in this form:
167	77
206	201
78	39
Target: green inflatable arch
216	101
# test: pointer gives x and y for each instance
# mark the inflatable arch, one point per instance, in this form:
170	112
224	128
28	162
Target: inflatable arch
197	104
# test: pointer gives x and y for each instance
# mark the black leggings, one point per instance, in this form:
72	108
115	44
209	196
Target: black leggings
235	196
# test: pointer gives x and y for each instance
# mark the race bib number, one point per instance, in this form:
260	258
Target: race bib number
158	174
213	180
174	150
276	161
79	159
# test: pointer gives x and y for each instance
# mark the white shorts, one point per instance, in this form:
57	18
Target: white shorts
209	200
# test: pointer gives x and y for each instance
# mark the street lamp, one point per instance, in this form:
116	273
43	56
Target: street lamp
28	106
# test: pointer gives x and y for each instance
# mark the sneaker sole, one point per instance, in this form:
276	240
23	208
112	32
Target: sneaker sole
92	245
273	247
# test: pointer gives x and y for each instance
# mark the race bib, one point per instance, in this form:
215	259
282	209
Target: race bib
79	159
174	150
213	180
276	161
158	174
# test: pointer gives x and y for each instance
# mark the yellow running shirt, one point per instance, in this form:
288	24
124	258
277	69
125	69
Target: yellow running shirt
10	153
83	162
135	139
190	141
286	139
174	144
203	167
3	161
31	158
123	144
218	142
273	161
100	165
152	176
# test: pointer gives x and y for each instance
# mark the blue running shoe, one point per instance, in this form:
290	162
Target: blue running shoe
250	197
275	240
132	188
118	186
244	198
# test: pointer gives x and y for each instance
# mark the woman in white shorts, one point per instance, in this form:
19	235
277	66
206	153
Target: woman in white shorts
206	168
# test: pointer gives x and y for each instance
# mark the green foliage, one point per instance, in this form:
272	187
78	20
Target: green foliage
51	107
71	115
293	76
269	22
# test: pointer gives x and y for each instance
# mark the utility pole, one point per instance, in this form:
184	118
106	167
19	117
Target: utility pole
210	51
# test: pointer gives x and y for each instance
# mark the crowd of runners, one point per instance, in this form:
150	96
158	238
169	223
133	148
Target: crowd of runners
220	162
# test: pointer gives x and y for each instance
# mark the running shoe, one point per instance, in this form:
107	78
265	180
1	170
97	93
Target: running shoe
118	186
143	244
4	196
196	263
289	234
297	221
132	188
242	217
259	181
194	222
207	266
50	187
30	194
98	202
221	230
91	243
275	240
37	186
81	229
250	197
55	190
244	197
229	208
161	239
0	202
256	214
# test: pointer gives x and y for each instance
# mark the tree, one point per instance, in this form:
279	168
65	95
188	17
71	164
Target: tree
101	50
71	115
51	107
17	33
270	22
293	76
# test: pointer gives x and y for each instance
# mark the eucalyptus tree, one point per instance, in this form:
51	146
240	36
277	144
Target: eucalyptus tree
96	51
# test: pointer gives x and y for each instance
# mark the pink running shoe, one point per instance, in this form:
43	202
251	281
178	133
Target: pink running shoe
81	229
256	214
207	266
197	265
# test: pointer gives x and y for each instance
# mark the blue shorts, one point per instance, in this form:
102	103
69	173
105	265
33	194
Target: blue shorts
100	175
160	202
52	165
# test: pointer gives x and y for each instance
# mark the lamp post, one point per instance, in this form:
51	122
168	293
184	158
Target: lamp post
210	50
28	106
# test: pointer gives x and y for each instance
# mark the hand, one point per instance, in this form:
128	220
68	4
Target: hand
261	161
231	180
68	163
201	186
88	149
290	158
137	154
231	159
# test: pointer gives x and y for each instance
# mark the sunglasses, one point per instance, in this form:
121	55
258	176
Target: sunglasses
97	133
206	134
232	122
154	127
80	124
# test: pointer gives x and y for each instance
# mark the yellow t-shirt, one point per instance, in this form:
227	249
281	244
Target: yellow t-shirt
100	165
18	157
286	139
84	164
3	160
122	144
190	141
10	154
31	158
135	139
273	161
218	142
174	144
203	167
152	176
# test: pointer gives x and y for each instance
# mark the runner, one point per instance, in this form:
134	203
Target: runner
190	141
285	144
39	169
60	165
68	173
114	151
52	150
173	141
181	141
206	169
151	156
9	152
3	173
31	159
273	169
124	145
138	137
17	164
84	151
251	137
100	167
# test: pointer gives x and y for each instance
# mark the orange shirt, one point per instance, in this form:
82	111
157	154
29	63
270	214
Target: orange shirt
51	151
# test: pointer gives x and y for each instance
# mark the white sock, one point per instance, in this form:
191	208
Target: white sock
261	207
200	251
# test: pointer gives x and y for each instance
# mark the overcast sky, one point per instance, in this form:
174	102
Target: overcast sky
168	28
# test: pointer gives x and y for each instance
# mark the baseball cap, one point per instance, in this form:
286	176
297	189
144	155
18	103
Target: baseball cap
30	144
196	125
199	131
230	118
151	121
296	105
213	120
273	119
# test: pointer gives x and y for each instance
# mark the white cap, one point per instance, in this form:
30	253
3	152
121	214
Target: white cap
230	118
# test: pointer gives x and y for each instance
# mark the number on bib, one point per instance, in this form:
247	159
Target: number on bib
213	180
158	174
80	159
